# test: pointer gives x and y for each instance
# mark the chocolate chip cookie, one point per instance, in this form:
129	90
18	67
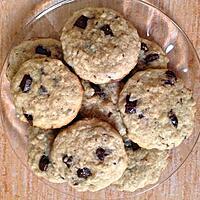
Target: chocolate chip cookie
151	56
46	94
39	150
144	167
90	154
35	48
157	109
100	45
101	101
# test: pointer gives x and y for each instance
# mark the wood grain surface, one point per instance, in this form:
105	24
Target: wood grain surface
16	182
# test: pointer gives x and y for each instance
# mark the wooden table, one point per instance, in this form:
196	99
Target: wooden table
16	182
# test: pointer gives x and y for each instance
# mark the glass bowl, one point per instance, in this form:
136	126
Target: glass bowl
47	20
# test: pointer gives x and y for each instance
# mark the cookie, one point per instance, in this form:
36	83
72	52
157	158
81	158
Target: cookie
90	154
46	94
100	45
144	167
39	150
151	56
101	101
36	48
157	109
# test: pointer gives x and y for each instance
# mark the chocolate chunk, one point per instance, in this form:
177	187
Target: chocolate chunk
107	30
144	47
43	163
151	57
185	137
43	51
140	116
81	22
84	173
29	118
26	82
98	90
168	82
68	160
171	74
173	118
61	177
129	144
102	153
42	90
109	114
130	106
76	183
171	78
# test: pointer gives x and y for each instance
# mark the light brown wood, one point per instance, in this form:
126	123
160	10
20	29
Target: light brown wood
16	182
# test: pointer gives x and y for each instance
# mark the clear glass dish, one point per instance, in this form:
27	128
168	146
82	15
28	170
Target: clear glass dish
47	20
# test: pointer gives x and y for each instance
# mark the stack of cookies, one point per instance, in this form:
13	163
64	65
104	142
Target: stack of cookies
102	106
